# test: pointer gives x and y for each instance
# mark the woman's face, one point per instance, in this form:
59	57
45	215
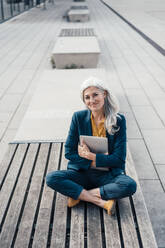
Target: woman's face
94	99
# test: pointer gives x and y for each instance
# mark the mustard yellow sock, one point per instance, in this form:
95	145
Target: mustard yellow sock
72	202
108	206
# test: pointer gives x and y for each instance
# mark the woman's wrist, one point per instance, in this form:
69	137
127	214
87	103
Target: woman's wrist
92	156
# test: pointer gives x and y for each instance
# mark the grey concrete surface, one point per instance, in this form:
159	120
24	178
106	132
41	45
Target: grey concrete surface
134	68
148	16
153	192
48	120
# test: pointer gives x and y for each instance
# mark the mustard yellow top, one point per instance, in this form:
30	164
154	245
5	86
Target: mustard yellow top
99	130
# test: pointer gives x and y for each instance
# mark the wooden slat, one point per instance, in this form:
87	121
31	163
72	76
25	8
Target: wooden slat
127	224
111	231
26	224
10	179
77	226
144	223
5	162
59	227
42	227
60	216
94	238
9	227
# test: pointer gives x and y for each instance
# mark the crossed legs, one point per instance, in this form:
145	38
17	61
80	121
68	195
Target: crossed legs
94	197
73	184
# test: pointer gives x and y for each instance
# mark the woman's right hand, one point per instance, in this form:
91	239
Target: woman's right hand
83	150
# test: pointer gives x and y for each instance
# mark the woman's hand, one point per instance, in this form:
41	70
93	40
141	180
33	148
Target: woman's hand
83	150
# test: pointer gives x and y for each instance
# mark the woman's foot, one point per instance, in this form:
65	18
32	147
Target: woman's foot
109	206
72	202
94	197
95	192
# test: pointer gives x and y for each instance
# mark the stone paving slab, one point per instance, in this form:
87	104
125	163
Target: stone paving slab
148	16
132	127
147	117
137	97
143	163
48	116
159	106
153	192
9	102
161	172
155	140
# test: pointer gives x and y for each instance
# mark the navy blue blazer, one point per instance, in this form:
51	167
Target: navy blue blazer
81	125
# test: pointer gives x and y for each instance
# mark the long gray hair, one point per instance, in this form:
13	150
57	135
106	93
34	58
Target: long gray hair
111	106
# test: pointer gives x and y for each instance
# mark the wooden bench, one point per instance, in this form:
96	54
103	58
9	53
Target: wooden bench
33	215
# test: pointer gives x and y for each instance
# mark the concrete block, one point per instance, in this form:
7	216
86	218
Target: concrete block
82	52
78	15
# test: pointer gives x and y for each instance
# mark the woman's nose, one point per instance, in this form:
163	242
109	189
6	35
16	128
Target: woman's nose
92	99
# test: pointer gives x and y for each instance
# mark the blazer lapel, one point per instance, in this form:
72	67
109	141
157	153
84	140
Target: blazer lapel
88	126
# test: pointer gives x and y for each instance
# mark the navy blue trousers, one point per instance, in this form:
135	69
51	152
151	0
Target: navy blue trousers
71	183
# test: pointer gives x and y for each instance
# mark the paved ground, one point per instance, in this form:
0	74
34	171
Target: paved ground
136	71
147	15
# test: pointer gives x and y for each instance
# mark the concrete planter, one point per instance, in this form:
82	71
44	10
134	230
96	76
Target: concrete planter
76	52
78	15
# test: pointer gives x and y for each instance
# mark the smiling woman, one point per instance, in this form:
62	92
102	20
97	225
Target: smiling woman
95	177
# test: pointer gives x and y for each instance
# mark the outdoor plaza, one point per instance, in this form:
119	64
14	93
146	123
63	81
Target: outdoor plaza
126	40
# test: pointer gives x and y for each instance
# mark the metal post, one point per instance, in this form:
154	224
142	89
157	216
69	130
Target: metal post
44	4
11	7
2	10
18	6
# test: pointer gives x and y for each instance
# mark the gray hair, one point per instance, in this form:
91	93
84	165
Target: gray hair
111	106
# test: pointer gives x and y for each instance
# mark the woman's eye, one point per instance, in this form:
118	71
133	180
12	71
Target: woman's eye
86	97
95	94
